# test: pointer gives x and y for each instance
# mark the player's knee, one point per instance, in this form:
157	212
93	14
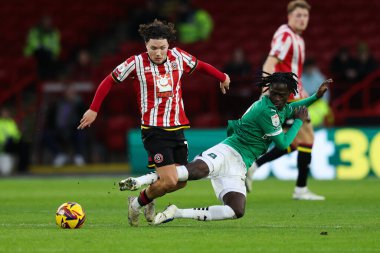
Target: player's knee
197	169
309	138
239	211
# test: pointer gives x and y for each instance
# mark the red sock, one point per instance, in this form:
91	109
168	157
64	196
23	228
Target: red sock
143	198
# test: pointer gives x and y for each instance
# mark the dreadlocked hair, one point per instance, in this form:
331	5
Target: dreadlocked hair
157	30
288	78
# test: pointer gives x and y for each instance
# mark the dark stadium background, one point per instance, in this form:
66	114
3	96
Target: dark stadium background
100	27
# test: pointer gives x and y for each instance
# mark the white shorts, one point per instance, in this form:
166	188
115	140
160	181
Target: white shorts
227	170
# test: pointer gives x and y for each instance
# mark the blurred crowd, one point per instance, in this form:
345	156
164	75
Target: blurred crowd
73	81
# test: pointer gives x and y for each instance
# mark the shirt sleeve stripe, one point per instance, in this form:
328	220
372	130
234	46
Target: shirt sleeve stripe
275	133
129	68
115	78
195	66
281	46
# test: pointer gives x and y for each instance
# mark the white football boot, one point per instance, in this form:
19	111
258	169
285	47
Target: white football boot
150	212
133	215
166	216
130	184
306	194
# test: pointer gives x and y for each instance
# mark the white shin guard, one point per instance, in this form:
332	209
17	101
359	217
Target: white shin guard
183	173
148	178
207	213
152	177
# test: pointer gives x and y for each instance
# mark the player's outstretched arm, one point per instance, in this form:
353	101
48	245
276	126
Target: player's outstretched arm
310	100
212	71
224	86
323	88
283	140
88	117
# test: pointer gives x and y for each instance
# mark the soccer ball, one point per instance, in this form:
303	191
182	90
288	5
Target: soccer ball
70	215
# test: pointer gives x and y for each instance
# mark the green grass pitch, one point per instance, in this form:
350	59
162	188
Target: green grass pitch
272	223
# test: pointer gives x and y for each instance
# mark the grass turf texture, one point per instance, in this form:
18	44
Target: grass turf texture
272	222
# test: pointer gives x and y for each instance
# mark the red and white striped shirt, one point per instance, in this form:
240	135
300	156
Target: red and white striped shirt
289	48
158	86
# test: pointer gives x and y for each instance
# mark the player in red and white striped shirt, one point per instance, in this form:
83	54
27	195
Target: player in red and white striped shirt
288	51
287	54
157	76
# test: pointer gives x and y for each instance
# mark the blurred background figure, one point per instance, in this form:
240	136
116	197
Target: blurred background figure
343	71
60	133
43	43
105	30
320	112
238	66
12	144
312	78
83	68
241	96
366	63
194	24
343	67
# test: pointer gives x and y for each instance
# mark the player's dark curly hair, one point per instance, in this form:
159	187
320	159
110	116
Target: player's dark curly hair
157	30
288	78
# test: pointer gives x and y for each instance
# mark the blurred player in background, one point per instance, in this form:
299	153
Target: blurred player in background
43	42
287	54
12	142
157	76
249	137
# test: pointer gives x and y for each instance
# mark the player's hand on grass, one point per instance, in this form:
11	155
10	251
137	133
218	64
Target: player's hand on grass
301	113
224	86
324	87
88	117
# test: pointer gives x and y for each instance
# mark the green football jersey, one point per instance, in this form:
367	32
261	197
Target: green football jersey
261	124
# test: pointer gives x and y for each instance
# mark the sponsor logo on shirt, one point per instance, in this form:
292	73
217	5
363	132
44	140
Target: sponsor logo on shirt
164	86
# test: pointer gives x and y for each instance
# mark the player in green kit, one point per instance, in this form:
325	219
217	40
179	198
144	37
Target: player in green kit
248	138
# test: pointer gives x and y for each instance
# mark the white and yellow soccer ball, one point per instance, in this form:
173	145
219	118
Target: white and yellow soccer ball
70	215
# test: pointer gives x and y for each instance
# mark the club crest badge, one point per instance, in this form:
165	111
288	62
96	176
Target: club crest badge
158	158
121	68
275	120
